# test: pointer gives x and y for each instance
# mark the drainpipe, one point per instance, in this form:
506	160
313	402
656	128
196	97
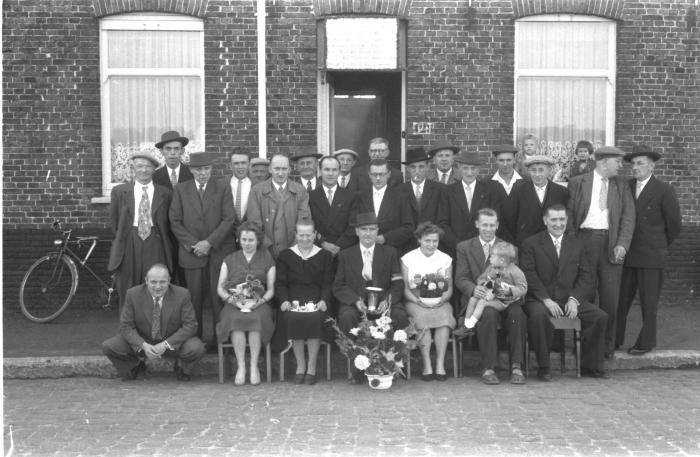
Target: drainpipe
262	82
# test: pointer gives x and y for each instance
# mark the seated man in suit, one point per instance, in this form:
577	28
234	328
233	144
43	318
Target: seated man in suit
560	284
367	264
378	150
330	207
533	196
157	321
472	261
445	171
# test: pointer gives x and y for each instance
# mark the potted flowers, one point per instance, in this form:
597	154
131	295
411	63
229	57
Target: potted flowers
377	349
246	293
430	287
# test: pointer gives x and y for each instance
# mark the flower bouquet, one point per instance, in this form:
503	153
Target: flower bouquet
376	348
430	287
247	293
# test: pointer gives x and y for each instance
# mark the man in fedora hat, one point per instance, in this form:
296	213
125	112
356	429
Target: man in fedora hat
306	164
259	170
367	264
347	179
533	196
462	201
658	223
423	196
172	145
378	150
445	171
139	220
504	179
203	219
601	215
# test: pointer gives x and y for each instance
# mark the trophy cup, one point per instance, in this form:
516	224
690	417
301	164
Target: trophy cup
373	294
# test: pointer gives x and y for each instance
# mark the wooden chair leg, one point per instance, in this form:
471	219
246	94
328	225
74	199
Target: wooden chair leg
408	365
562	348
268	362
577	342
526	358
220	351
282	356
328	361
454	356
349	369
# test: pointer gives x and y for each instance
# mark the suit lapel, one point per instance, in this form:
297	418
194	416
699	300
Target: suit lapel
462	198
157	199
166	311
477	251
646	194
587	184
209	193
130	208
548	248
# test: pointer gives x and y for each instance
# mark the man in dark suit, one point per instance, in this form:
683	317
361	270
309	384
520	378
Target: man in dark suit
658	223
378	150
504	181
172	145
462	201
445	171
533	196
424	196
601	215
330	207
472	260
560	280
389	205
157	321
306	164
139	220
347	179
203	220
368	264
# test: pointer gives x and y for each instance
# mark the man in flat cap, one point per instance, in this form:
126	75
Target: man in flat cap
203	219
445	171
139	220
171	146
259	170
601	215
347	178
533	196
306	164
378	150
504	179
462	201
658	223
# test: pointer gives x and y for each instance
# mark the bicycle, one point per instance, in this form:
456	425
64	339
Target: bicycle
49	285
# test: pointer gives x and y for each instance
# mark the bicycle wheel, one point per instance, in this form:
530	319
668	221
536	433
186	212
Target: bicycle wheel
48	288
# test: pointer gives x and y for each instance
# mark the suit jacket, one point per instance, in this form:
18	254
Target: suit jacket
363	181
349	285
507	217
121	210
353	184
212	219
455	217
394	215
178	322
454	176
470	265
276	214
318	182
333	221
528	209
557	278
430	201
658	223
620	209
162	176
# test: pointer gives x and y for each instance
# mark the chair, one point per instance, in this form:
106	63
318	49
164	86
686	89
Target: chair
221	346
562	324
327	348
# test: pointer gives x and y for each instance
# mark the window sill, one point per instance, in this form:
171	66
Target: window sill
101	200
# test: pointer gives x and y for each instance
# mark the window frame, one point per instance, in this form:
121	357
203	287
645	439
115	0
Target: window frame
610	74
136	22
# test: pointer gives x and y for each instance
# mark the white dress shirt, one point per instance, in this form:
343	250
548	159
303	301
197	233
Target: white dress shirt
246	184
305	183
540	191
377	197
596	219
640	187
138	194
507	186
177	172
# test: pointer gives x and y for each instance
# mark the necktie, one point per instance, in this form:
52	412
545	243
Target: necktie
377	195
342	182
487	249
367	265
444	178
201	192
603	197
639	189
173	178
557	245
155	324
540	193
237	202
330	195
419	194
469	196
144	219
308	186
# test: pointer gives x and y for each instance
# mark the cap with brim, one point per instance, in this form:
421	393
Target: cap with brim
259	161
200	159
642	150
414	155
172	135
365	219
441	146
469	158
539	159
296	157
500	149
149	157
345	151
606	152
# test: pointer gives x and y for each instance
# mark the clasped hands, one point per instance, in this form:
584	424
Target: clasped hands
570	308
287	305
382	306
201	248
154	351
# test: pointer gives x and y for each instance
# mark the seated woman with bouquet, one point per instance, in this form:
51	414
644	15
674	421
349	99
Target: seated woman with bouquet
303	288
427	275
246	285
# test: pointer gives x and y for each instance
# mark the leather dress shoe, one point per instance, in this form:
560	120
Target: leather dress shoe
594	373
310	379
543	374
637	351
427	377
299	378
133	374
441	377
179	374
490	378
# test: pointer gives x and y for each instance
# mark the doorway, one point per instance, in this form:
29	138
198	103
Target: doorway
366	105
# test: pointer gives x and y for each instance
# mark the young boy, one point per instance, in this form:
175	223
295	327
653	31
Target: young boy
505	281
584	159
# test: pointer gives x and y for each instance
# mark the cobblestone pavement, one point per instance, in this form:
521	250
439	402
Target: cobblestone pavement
634	413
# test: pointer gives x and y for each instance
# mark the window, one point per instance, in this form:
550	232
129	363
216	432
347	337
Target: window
152	81
565	82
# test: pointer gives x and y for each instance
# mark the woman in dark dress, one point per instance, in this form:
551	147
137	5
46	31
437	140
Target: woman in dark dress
303	288
251	315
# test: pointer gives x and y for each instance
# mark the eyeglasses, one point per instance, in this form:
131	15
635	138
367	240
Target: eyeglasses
378	175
